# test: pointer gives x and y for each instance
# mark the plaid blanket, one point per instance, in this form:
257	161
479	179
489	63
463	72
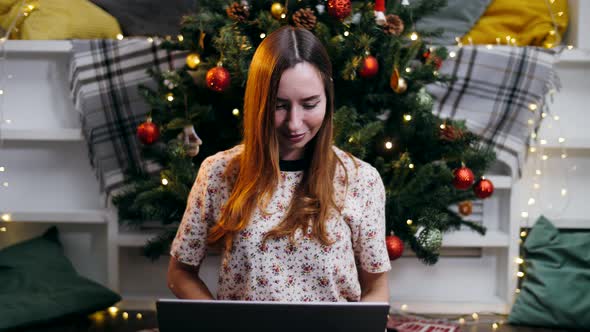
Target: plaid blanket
493	91
104	78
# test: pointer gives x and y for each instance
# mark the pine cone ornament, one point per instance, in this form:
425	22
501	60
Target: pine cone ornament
393	25
431	239
237	12
450	134
305	18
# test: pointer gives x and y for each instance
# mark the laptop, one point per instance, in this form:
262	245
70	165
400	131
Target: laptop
245	316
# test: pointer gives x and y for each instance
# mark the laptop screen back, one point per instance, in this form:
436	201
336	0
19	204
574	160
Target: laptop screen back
246	316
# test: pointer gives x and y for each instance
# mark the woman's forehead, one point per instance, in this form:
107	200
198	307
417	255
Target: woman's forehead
300	82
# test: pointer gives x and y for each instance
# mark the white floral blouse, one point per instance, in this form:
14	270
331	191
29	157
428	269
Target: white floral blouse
279	271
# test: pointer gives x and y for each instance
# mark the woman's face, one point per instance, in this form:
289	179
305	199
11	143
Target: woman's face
300	111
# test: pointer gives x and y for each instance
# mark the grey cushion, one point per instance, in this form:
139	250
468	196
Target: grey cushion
457	18
148	17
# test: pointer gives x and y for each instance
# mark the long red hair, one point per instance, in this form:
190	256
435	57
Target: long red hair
258	164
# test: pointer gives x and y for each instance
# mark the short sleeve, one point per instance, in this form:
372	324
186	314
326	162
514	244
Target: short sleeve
369	236
202	210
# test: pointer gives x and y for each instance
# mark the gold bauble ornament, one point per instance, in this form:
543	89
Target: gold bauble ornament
397	83
277	10
193	60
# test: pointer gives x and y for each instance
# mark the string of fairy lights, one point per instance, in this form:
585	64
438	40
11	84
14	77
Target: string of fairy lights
25	9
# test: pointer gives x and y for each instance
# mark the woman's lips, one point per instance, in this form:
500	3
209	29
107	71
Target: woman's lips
295	138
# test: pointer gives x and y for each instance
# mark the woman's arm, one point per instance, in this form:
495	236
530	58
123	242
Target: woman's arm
374	286
184	282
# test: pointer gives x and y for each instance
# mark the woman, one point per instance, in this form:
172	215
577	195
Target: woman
298	219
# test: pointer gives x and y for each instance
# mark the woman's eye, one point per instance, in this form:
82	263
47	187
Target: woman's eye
308	106
281	106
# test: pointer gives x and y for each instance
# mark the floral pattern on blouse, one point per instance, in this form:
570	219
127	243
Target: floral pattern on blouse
279	270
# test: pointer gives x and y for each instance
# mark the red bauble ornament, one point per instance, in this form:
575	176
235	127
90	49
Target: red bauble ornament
483	188
339	9
148	132
218	79
463	178
395	246
370	67
429	57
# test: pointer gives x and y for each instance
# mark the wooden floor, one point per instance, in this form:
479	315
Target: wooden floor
147	322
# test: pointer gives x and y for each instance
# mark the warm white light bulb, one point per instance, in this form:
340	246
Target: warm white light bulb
409	221
563	192
262	35
388	145
520	274
452	54
531	201
165	182
519	260
346	33
235	112
524	214
411	166
414	36
407	117
119	36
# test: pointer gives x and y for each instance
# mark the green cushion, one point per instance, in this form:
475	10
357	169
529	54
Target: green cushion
555	291
39	284
456	18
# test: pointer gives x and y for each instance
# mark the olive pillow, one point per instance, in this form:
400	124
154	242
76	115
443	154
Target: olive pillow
555	291
534	23
39	284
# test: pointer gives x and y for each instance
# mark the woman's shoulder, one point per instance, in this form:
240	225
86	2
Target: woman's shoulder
218	162
354	165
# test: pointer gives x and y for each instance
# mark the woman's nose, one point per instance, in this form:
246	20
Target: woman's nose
294	118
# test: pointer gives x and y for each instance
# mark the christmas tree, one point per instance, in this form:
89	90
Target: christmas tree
383	113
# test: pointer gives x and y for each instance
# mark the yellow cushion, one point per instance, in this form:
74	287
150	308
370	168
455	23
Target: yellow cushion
528	22
57	19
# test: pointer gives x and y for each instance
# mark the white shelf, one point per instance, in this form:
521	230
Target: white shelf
38	46
570	144
571	223
500	181
448	307
134	239
472	239
39	135
72	216
575	55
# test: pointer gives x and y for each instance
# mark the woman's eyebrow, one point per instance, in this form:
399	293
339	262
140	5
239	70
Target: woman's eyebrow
310	98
